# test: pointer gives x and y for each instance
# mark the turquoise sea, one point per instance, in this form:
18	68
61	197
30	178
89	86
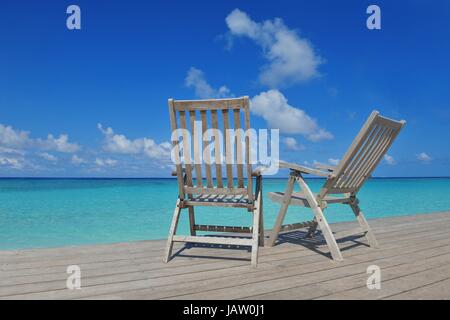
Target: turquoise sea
60	212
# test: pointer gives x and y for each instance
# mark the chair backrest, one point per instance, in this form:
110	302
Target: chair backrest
222	115
364	154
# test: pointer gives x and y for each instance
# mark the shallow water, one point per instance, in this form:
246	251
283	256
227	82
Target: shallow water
58	212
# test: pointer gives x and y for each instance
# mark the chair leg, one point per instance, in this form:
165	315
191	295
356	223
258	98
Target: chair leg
192	221
365	225
256	232
261	227
321	221
261	217
282	213
172	231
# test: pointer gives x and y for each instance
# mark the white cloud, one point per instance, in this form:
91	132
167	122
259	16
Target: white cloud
389	159
105	162
291	58
18	139
60	144
196	79
118	143
333	162
423	157
48	156
10	137
274	108
292	144
11	162
77	160
4	150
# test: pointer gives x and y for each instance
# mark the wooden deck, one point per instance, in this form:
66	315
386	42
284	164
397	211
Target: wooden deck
414	258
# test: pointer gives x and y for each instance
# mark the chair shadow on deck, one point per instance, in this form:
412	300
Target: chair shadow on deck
182	251
300	237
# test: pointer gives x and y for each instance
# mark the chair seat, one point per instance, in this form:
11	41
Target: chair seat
219	200
299	199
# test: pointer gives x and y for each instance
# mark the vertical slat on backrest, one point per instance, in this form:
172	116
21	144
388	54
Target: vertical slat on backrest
371	146
367	150
353	166
340	174
217	153
370	153
228	150
197	148
377	156
176	149
238	141
209	182
248	149
186	148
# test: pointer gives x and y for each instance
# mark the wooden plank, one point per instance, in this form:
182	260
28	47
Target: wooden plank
186	148
209	104
219	191
214	240
248	158
346	182
176	149
88	288
209	182
355	161
212	228
418	244
365	167
228	150
239	158
197	150
217	152
102	271
354	147
350	232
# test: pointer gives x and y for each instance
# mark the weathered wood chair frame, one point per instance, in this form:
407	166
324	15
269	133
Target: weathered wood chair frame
344	180
215	193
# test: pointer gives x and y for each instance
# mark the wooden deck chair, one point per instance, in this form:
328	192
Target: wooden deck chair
342	183
223	191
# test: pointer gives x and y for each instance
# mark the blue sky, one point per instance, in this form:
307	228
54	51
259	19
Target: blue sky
58	85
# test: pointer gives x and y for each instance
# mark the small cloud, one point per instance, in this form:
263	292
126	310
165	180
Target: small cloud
60	144
48	156
291	58
292	144
333	162
423	157
12	162
273	106
105	162
389	160
77	160
18	139
196	79
4	150
119	143
10	137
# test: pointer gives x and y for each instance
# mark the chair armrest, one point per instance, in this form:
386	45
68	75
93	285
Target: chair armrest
302	169
322	166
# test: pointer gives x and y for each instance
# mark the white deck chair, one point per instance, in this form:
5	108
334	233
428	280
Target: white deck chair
194	190
342	184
